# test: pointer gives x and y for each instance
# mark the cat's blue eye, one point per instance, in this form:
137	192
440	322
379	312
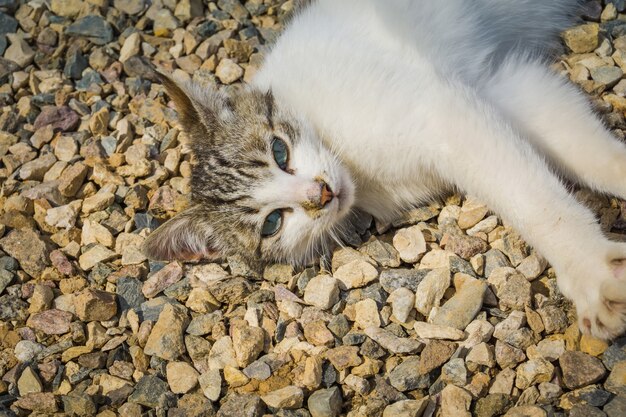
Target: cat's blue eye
272	223
281	153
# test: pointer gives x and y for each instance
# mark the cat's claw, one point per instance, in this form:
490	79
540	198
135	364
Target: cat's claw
603	315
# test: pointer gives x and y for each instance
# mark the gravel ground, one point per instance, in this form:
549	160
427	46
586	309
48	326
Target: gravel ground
446	312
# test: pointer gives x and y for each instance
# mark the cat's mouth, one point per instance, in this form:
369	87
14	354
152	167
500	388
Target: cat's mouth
343	195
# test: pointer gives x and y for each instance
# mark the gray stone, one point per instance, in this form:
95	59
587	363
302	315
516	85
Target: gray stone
616	407
75	65
406	376
392	279
580	369
325	403
149	391
129	293
608	76
242	405
92	27
8	24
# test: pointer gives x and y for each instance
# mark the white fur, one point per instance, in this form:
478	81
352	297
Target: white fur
412	96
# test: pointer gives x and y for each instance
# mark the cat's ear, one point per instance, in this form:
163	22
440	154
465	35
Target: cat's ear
185	237
198	106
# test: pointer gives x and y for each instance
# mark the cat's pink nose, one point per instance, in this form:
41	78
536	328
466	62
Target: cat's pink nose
326	194
319	194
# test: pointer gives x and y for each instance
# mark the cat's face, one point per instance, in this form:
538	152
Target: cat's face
263	185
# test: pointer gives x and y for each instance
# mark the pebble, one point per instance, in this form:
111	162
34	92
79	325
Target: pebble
431	289
27	350
454	372
149	391
482	354
166	338
508	356
402	302
434	331
222	354
162	279
51	322
28	248
592	346
392	279
583	38
322	292
290	397
181	377
533	372
553	318
410	244
228	71
393	343
607	75
211	383
344	357
28	382
19	52
406	377
366	314
355	274
131	47
435	354
461	309
580	369
503	382
455	402
526	411
130	7
514	293
325	403
465	246
248	342
616	382
406	408
93	27
550	350
95	255
258	370
95	305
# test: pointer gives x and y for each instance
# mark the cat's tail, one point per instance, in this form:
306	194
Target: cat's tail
525	26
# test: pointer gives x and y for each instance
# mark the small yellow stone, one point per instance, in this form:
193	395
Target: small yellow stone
74	352
234	377
572	337
592	346
64	388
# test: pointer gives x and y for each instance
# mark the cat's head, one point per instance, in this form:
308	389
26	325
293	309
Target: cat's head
263	184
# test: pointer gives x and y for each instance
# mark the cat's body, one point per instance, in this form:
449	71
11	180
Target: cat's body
384	104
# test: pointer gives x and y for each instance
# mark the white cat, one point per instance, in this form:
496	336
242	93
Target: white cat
383	104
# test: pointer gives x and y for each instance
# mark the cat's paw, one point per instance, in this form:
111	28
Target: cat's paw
601	304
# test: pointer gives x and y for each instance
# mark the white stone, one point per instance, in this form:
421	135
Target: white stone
322	292
366	314
402	302
131	46
356	274
430	291
434	331
410	244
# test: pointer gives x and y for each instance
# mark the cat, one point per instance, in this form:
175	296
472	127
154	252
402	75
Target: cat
381	105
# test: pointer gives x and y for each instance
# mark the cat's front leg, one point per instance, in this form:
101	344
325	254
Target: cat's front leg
504	171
